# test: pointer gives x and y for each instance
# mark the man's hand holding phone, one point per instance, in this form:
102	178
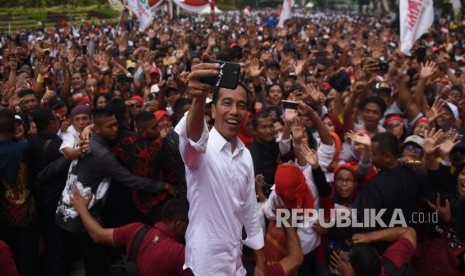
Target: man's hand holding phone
196	88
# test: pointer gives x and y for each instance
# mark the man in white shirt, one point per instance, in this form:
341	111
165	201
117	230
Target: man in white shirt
220	181
80	118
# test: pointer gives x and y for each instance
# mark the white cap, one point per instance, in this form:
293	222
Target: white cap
415	139
454	110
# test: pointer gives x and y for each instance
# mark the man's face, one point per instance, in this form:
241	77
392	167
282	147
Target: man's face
172	97
446	120
91	86
273	73
108	128
29	103
149	130
77	81
288	85
135	108
378	158
371	116
265	131
230	112
80	121
412	152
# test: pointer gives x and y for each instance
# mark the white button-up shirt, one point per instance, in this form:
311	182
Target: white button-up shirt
221	193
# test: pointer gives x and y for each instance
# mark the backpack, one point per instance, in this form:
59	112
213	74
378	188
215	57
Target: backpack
435	257
127	266
405	270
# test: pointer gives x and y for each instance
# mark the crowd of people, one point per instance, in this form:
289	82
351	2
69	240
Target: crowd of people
105	129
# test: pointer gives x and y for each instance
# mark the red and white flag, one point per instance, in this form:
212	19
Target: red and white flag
286	12
141	9
416	16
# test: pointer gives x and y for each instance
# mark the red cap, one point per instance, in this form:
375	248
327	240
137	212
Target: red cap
138	99
160	114
393	118
154	70
292	187
351	167
421	120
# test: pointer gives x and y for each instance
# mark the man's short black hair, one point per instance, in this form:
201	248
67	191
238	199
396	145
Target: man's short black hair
376	100
174	209
216	95
259	115
365	260
268	87
25	92
180	104
42	118
118	108
99	115
144	117
7	122
387	143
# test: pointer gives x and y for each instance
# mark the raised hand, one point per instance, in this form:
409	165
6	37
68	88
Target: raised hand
298	132
310	156
254	68
299	67
290	115
340	262
361	138
436	110
431	138
197	88
444	212
449	142
427	69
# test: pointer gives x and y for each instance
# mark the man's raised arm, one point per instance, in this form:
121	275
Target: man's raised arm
199	92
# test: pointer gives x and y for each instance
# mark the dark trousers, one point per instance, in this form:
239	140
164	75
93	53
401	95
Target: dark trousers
24	244
308	266
95	255
49	231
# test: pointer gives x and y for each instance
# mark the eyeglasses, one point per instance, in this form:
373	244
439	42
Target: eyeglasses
135	106
344	180
414	148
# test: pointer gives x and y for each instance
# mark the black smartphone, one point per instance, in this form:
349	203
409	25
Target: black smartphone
383	66
421	54
228	76
290	104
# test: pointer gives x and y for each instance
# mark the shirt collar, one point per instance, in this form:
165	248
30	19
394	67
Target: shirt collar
219	142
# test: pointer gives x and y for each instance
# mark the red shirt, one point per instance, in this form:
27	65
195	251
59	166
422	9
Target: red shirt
399	253
7	263
160	253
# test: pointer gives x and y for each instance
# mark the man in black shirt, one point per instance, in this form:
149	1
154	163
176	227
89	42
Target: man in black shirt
266	152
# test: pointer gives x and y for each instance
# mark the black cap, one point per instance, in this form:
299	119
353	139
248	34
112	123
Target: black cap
55	102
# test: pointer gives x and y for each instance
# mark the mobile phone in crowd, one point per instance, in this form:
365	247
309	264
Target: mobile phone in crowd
228	76
290	104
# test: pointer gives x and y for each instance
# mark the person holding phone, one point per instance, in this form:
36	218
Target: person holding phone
220	180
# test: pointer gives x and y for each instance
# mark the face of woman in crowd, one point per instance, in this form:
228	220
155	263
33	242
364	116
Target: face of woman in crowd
101	102
421	129
344	183
328	123
19	134
275	95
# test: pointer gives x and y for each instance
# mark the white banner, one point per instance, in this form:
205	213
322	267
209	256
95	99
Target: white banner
416	16
286	12
141	9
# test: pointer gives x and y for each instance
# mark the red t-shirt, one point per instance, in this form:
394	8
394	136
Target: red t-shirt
274	270
160	253
399	253
7	263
